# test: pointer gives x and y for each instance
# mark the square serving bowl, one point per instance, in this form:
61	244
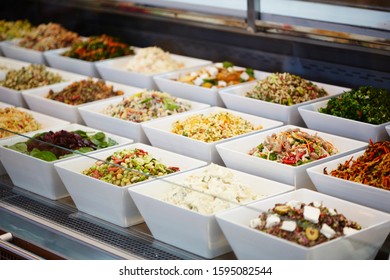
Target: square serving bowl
55	59
235	99
190	230
115	69
388	129
94	117
16	98
251	244
36	100
46	122
107	201
36	175
352	191
341	126
12	49
168	82
160	135
235	155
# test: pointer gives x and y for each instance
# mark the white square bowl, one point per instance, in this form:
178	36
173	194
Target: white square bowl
388	129
235	99
107	201
341	126
115	69
168	82
12	49
189	230
250	244
36	100
55	59
36	175
160	135
94	117
46	122
235	155
16	98
352	191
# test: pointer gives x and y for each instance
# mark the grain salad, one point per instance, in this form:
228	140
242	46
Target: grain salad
213	127
84	91
31	76
214	189
286	89
145	106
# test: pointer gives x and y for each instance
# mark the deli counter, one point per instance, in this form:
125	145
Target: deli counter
350	50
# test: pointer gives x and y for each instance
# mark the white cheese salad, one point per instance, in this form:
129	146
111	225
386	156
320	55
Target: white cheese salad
213	190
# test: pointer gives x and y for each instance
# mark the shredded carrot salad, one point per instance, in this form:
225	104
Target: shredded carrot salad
372	168
17	121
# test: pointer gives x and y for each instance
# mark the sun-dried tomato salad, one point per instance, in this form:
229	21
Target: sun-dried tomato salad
294	147
305	224
146	105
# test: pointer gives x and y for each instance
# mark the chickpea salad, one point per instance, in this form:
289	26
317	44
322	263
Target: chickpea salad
128	166
218	75
286	89
305	224
215	189
213	127
293	147
145	106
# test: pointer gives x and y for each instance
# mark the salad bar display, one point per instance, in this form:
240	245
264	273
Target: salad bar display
201	189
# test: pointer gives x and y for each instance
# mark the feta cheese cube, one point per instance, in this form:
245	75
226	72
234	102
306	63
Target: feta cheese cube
332	212
218	65
272	220
348	230
213	71
244	76
254	222
288	225
194	74
230	69
222	84
311	214
198	81
204	76
295	204
327	231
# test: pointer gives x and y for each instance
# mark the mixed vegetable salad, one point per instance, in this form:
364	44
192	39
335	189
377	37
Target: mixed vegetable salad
293	147
128	166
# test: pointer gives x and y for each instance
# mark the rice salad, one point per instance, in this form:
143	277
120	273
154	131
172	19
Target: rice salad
213	127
